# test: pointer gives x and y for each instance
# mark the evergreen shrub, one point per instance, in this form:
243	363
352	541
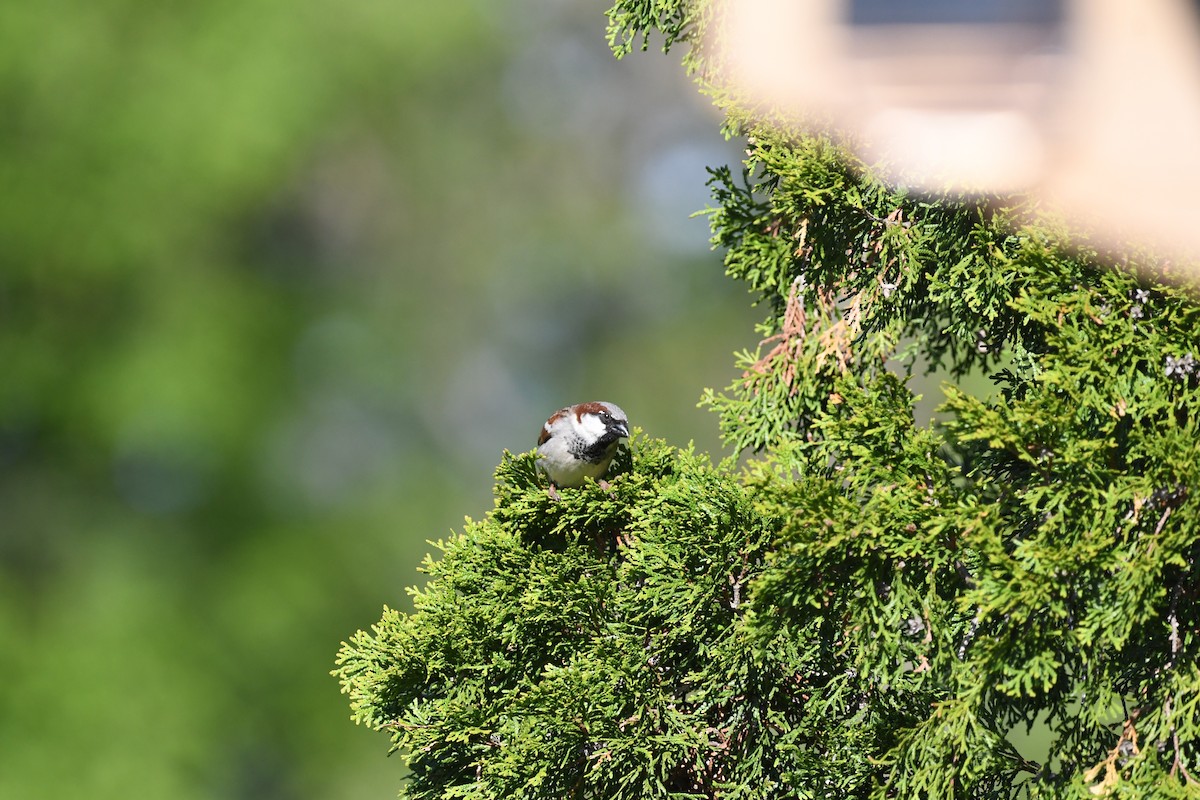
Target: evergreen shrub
863	606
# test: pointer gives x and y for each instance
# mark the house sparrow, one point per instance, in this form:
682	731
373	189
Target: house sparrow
579	442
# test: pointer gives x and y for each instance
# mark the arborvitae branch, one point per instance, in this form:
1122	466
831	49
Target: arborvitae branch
869	607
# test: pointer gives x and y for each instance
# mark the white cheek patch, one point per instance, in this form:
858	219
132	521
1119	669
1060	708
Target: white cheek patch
592	425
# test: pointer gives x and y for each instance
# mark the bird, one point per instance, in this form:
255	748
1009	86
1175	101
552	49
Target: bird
579	442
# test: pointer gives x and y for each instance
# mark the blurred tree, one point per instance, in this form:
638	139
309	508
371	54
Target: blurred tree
867	607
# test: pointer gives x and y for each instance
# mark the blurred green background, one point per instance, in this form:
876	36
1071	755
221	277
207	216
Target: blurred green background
279	281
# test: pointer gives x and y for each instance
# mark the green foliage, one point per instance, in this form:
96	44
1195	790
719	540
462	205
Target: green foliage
1030	562
592	646
630	24
869	607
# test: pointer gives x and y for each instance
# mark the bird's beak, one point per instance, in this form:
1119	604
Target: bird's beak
622	428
